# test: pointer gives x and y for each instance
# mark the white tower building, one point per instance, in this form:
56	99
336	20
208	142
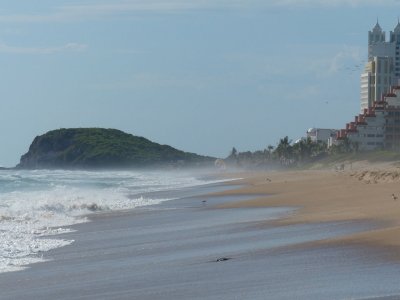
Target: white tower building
383	67
377	45
376	80
395	40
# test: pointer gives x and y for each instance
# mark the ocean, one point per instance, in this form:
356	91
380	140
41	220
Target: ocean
155	235
38	205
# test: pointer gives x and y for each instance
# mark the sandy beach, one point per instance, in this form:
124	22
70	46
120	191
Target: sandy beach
363	191
275	235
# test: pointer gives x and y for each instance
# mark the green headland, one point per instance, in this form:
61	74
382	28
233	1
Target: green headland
103	148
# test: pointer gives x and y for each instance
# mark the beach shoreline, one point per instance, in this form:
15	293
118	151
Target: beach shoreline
362	192
249	239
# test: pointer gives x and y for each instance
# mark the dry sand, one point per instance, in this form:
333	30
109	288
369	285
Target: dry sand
362	191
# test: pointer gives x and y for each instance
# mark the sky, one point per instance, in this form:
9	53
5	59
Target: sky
200	75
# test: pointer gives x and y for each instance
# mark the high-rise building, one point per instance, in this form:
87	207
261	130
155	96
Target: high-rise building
376	80
378	124
395	39
377	45
383	67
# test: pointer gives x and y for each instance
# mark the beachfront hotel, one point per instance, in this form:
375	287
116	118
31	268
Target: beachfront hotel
378	124
383	67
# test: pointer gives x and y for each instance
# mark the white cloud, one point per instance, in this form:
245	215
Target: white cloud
70	47
344	57
347	60
94	9
353	3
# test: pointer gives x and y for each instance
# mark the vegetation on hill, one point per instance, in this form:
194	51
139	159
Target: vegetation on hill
99	148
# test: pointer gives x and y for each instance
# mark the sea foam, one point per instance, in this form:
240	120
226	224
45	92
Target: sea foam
37	205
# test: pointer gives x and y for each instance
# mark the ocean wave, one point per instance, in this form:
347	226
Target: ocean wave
42	203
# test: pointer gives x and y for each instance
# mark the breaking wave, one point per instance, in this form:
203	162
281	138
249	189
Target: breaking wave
36	205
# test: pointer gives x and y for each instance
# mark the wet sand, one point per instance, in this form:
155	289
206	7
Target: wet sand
369	192
272	251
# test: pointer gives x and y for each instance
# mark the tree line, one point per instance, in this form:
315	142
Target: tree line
286	153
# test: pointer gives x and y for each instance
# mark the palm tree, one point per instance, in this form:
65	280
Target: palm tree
302	150
270	148
284	149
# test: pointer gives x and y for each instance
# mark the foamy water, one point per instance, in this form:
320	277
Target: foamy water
35	206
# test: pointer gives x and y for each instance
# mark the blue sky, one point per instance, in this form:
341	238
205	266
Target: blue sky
202	76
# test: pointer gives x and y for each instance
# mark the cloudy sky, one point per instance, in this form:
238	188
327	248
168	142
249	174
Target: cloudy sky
200	75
